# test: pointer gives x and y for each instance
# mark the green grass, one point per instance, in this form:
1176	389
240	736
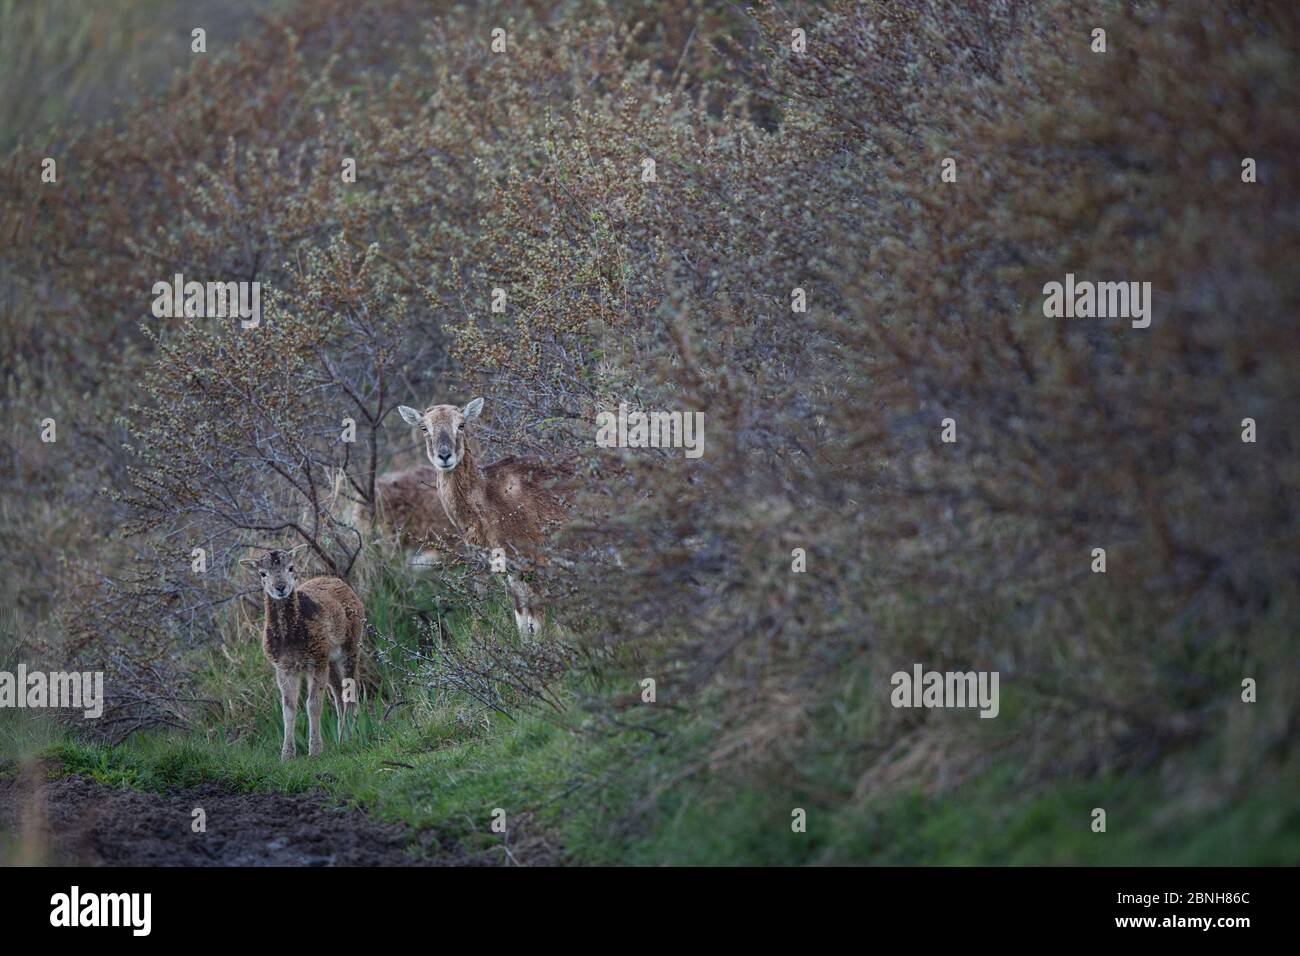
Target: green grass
989	822
436	777
439	775
433	763
443	764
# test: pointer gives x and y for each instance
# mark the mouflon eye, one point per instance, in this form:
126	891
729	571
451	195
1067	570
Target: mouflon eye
291	567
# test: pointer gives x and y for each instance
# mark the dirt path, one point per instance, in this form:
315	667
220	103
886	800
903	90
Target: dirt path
74	821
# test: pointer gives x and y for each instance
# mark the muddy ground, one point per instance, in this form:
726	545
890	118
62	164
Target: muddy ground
73	821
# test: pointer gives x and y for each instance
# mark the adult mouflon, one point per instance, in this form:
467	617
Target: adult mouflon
314	630
505	507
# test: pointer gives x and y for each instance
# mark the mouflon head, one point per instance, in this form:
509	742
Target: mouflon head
443	429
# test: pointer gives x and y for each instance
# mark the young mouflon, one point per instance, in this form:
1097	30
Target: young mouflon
311	629
506	507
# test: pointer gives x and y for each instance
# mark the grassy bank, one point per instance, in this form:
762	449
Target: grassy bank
441	763
438	778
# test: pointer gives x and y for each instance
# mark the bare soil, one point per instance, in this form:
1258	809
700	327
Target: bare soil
74	821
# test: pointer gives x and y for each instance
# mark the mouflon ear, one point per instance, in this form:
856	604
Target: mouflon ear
409	414
250	563
471	410
293	553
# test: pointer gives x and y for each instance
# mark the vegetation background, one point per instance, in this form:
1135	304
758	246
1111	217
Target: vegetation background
775	170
